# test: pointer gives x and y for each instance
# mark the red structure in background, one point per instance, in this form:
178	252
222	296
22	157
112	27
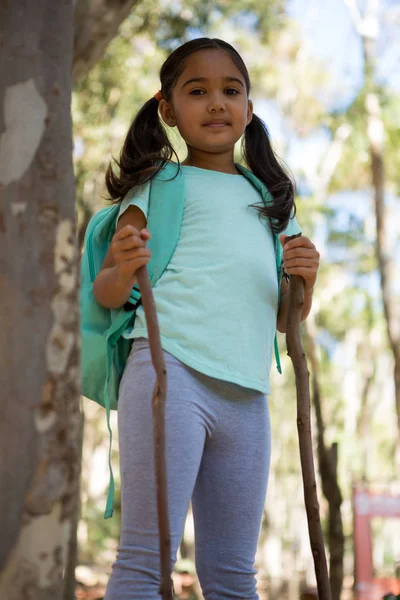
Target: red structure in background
366	505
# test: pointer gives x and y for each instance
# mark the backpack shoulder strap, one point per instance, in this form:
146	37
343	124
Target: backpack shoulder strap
164	220
97	235
167	199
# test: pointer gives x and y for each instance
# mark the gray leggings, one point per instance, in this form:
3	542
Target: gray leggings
218	453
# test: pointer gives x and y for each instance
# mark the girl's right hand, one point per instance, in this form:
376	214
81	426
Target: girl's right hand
128	248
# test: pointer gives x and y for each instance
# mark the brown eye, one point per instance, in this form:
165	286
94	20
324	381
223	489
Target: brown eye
232	92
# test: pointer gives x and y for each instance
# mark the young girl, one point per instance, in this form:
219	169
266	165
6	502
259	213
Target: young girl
217	306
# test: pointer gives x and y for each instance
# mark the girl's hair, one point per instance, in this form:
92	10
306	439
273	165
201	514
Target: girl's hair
147	148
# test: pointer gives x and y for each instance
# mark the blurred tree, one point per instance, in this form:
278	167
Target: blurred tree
95	24
40	425
367	25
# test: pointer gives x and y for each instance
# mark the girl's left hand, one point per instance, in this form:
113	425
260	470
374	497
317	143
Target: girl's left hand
300	257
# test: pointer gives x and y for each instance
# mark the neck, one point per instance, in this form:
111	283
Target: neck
222	162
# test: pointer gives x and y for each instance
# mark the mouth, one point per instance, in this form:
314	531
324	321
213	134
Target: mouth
216	124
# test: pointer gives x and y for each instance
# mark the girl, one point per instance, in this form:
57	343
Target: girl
217	307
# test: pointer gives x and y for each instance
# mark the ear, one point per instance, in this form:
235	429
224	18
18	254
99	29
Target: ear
167	113
249	112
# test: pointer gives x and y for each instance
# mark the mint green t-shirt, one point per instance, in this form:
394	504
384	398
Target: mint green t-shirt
217	300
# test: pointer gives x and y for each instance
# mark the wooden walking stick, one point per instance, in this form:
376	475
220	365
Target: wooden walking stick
298	358
159	399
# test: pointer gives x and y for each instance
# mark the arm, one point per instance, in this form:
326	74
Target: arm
300	257
126	254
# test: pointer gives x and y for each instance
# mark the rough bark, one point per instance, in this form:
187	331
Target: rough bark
87	214
39	370
327	464
95	24
73	548
296	353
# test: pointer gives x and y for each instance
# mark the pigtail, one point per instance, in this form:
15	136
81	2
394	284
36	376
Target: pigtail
145	151
262	161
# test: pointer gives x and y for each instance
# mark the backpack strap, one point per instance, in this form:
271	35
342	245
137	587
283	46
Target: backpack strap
109	510
167	200
120	320
278	257
164	219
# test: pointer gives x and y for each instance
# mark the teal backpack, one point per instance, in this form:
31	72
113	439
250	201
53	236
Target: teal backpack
103	347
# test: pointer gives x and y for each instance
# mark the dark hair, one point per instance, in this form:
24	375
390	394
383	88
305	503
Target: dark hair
147	148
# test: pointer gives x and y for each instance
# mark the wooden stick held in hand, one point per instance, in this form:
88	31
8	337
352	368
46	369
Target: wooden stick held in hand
159	399
298	358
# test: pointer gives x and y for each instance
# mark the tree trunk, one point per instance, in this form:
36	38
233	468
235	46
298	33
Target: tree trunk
367	26
327	464
366	358
385	261
39	371
73	547
95	24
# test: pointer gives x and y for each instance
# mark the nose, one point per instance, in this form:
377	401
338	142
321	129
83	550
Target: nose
217	104
215	109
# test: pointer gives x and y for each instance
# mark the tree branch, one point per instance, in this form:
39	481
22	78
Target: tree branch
296	353
330	161
95	24
354	12
159	399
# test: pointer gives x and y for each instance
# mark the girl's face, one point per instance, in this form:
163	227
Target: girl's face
209	103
